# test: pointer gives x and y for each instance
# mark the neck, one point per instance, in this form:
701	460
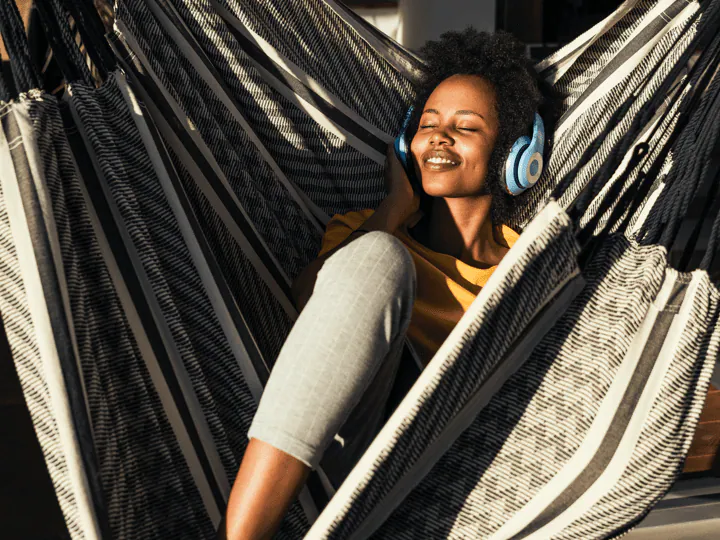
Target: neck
463	228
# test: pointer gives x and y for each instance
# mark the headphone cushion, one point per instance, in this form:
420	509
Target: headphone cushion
512	165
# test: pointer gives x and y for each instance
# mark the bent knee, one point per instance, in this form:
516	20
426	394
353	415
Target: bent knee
384	247
377	258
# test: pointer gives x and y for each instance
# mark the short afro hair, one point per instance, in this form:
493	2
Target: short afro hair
500	59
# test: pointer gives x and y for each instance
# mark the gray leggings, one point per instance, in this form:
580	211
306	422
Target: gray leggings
326	396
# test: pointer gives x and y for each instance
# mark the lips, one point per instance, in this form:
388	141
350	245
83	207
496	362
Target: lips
440	160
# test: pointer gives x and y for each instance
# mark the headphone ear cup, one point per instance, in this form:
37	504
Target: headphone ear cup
402	151
512	165
525	162
530	167
531	162
402	148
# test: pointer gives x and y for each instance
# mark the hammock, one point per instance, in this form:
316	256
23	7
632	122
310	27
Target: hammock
152	226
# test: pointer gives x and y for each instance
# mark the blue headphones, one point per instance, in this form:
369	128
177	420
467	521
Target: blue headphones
523	166
402	150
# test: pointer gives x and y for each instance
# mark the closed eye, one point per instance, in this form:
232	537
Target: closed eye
467	129
427	126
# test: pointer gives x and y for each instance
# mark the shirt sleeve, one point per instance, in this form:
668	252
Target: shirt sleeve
340	227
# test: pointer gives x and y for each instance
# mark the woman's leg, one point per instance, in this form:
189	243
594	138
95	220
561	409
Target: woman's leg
350	329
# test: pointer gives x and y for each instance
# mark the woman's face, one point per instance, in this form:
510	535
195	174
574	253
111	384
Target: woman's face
456	137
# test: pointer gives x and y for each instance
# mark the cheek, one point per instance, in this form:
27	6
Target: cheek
479	156
417	146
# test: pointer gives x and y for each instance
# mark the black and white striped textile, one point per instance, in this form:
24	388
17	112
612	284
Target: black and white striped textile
233	53
152	227
42	250
580	442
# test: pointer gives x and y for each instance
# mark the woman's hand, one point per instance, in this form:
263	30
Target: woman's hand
396	179
400	192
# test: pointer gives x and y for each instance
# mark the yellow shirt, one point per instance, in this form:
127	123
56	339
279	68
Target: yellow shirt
446	286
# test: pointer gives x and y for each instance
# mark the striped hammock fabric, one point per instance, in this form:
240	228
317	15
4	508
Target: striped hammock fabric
566	447
152	226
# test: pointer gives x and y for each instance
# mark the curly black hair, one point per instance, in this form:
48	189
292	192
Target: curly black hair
498	58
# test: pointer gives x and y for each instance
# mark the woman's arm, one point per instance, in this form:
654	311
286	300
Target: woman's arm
398	206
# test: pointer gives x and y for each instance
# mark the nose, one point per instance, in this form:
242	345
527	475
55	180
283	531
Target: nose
440	137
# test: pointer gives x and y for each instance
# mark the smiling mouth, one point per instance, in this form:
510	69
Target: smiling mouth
438	160
438	163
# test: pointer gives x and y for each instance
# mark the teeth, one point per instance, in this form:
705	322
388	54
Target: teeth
440	160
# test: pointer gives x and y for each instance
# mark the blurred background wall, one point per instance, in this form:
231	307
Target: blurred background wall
543	25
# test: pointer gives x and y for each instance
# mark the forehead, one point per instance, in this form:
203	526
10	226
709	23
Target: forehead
463	92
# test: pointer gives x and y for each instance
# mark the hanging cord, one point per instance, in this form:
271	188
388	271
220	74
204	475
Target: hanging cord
680	182
13	34
706	31
592	188
711	260
709	236
706	243
62	42
595	185
628	202
690	111
690	195
612	162
692	243
709	64
696	112
635	194
92	32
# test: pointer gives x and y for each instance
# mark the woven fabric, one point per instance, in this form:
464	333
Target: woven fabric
284	227
585	68
692	154
148	219
263	107
538	421
247	287
145	480
349	62
280	123
535	424
165	382
226	403
36	365
597	125
668	432
538	270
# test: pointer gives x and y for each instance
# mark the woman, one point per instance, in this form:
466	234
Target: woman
410	268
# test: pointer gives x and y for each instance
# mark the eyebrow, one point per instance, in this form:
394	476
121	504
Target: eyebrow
462	112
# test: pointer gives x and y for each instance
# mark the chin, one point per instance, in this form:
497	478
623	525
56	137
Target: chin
436	192
449	190
439	187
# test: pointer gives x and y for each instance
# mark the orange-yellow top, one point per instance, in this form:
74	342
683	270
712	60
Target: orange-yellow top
446	286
